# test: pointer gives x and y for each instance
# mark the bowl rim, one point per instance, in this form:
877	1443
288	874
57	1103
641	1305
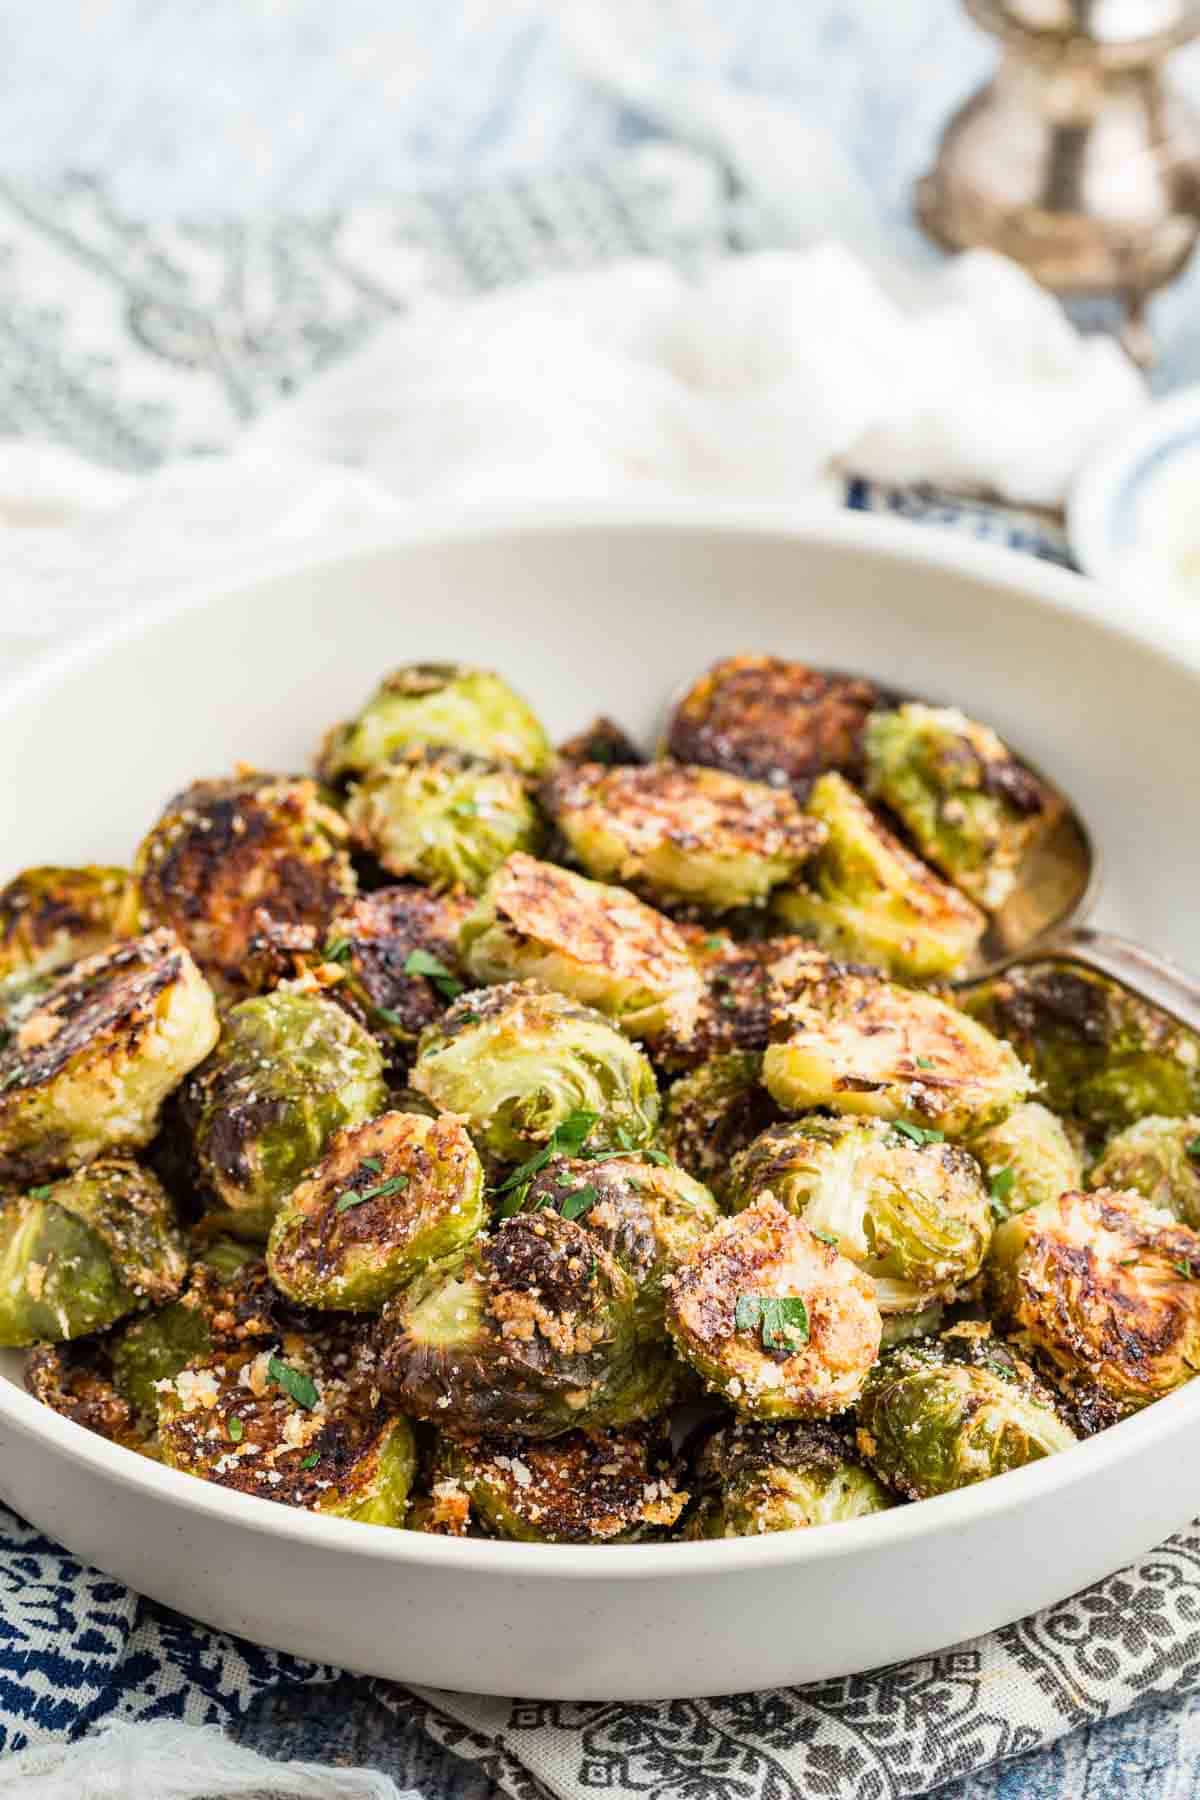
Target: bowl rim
1051	589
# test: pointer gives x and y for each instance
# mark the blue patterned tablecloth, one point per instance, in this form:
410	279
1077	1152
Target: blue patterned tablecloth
182	107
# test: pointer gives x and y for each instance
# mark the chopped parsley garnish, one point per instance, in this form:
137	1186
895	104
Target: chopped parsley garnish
462	809
1193	1148
918	1134
40	1193
1185	1269
576	1204
782	1323
565	1140
311	1460
13	1075
1127	1262
714	943
396	1184
373	1164
924	1062
295	1383
826	1237
339	950
236	1429
391	1018
422	962
1000	1187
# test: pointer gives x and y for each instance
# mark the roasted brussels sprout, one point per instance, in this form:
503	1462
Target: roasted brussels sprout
864	895
79	1254
292	1424
232	856
756	1478
1027	1158
598	944
744	983
75	1380
1098	1053
443	817
601	742
647	1213
585	1487
1158	1159
859	1044
517	1061
386	1199
969	806
1106	1288
291	1069
771	720
713	1113
947	1412
442	704
905	1327
772	1318
534	1331
52	917
915	1216
686	836
395	953
88	1068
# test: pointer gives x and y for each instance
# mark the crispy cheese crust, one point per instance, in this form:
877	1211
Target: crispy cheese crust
584	1487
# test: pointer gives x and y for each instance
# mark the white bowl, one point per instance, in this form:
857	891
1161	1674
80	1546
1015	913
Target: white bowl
583	613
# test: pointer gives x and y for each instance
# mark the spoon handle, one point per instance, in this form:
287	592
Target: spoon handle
1150	977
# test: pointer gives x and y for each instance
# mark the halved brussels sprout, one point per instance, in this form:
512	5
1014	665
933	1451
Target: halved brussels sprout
395	953
290	1070
75	1380
88	1068
647	1213
773	1319
906	1327
946	1413
1027	1158
1158	1159
858	1044
864	895
291	1423
744	983
970	807
601	742
1106	1288
386	1199
713	1113
686	836
1098	1053
756	1478
771	720
442	817
915	1216
81	1253
517	1061
52	917
231	856
586	1487
443	704
599	944
534	1331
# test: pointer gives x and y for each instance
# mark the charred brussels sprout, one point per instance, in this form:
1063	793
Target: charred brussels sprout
517	1061
583	1488
51	917
743	984
647	1214
396	956
715	1112
601	742
598	944
1098	1053
75	1381
858	1044
970	807
1158	1159
915	1216
88	1068
943	1414
443	817
773	1319
1107	1289
446	705
228	857
683	836
289	1071
81	1253
386	1199
756	1478
865	895
291	1423
771	720
533	1332
1027	1158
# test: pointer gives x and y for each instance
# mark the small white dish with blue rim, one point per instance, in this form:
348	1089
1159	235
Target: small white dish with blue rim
1134	513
